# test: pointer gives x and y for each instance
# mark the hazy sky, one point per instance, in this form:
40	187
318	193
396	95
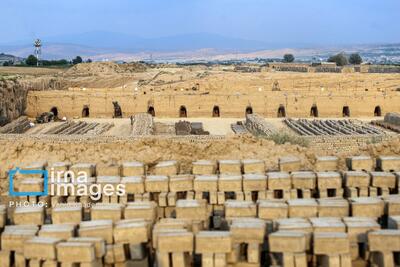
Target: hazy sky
300	21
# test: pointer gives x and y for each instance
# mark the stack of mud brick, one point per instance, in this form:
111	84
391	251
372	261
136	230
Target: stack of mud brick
33	182
224	213
366	178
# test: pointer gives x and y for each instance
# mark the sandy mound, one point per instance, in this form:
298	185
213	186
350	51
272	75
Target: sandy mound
104	68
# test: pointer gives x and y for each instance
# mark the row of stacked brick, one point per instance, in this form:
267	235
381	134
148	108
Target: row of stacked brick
206	167
167	186
166	190
239	233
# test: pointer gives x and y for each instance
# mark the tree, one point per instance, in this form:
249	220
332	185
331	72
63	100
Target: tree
7	63
77	60
89	61
355	59
288	58
31	60
340	59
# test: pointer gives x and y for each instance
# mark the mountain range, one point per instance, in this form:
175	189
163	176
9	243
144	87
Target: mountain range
99	45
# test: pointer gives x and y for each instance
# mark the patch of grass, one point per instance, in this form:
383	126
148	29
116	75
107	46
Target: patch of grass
374	140
281	138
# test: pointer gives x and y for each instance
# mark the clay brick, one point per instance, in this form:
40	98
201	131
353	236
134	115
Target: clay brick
112	180
29	215
180	259
219	260
382	259
279	180
143	210
248	230
119	253
331	243
133	184
50	264
87	168
95	263
333	208
230	167
99	244
106	211
31	185
207	259
392	205
61	231
296	225
191	209
175	242
272	210
170	167
235	208
253	253
181	183
326	163
99	228
58	168
204	167
205	183
359	163
328	224
289	164
74	252
163	259
213	242
156	183
230	183
108	170
367	207
41	248
158	230
3	215
287	241
5	259
302	208
132	232
254	182
383	179
388	163
328	180
304	180
19	260
253	166
384	240
356	179
133	168
67	213
358	227
39	165
14	237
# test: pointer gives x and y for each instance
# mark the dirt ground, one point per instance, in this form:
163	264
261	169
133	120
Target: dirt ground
216	79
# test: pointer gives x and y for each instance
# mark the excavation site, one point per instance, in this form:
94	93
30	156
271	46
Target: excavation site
199	165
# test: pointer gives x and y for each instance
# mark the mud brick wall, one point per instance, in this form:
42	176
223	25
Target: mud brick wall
345	143
12	99
384	69
265	103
